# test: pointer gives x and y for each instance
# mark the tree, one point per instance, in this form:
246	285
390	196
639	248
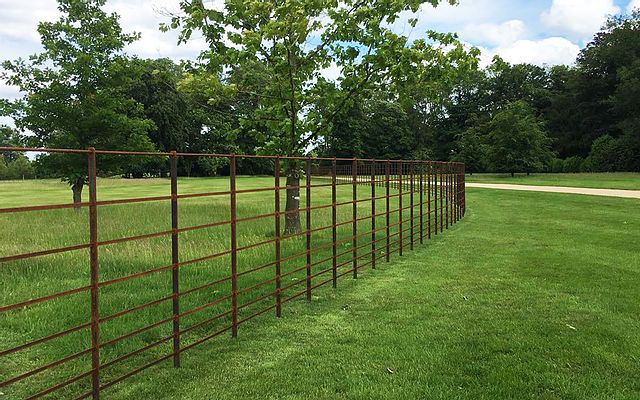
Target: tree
472	150
77	92
20	168
291	43
9	137
599	97
517	140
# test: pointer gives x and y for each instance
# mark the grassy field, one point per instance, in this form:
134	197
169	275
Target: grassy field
531	296
620	180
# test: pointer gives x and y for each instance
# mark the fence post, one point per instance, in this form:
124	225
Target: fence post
234	248
452	196
429	166
308	235
446	196
463	191
435	197
387	171
277	236
441	169
457	191
175	259
334	222
94	277
411	205
421	188
354	242
373	214
400	206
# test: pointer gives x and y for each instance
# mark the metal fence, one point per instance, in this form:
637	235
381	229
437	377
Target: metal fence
69	341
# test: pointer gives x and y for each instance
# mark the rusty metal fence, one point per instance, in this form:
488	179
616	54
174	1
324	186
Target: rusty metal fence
77	341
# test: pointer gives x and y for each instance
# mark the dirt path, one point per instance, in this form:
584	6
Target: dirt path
631	194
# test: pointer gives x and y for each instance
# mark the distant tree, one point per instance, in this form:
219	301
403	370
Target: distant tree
20	168
157	91
77	92
297	104
372	127
517	140
601	97
4	171
9	137
472	149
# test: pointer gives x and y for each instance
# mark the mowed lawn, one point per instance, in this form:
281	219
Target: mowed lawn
617	180
531	296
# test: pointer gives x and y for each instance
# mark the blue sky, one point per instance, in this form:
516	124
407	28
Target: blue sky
543	32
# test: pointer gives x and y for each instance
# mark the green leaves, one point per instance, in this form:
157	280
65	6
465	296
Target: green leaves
291	43
77	88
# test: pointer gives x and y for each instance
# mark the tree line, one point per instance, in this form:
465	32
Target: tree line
261	87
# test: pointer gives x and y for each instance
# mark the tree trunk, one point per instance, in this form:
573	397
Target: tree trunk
76	188
528	173
292	217
513	174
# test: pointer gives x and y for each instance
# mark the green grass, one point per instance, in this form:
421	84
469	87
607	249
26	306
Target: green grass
531	296
619	180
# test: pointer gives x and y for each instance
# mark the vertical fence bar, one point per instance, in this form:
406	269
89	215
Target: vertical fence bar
373	215
451	194
429	166
277	237
451	197
446	196
421	188
387	171
93	263
441	170
400	206
435	197
411	204
234	247
308	235
463	192
454	194
457	192
175	259
334	222
354	242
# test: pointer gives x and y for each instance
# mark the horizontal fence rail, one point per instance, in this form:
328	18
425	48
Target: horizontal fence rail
110	299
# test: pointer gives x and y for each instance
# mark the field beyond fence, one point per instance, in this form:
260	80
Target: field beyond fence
142	270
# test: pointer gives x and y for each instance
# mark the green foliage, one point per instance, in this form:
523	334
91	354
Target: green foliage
4	171
296	104
517	140
573	164
78	91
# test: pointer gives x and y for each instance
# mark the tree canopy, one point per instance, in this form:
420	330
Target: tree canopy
76	91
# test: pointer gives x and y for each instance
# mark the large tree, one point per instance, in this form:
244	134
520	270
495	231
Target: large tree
76	91
517	140
291	43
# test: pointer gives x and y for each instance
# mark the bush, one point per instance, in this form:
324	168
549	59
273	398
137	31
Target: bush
556	165
573	164
605	155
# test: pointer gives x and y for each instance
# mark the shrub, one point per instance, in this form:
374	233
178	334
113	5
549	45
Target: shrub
573	164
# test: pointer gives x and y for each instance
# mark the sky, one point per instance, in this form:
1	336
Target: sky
542	32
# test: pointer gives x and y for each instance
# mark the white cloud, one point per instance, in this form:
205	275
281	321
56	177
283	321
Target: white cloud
634	4
494	34
550	51
578	18
20	19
